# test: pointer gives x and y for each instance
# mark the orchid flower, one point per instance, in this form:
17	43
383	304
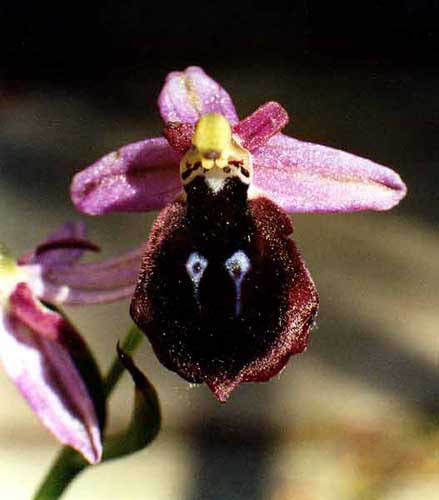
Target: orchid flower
223	294
41	351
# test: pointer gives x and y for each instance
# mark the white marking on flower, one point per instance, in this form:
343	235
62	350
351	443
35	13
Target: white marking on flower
238	265
195	266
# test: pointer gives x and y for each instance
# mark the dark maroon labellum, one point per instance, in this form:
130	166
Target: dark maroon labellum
223	295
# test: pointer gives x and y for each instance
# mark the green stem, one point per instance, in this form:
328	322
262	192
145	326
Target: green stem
69	463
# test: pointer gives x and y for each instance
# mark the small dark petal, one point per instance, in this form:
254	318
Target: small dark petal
266	121
202	338
179	135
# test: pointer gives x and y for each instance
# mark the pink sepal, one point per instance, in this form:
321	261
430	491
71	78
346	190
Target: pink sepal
305	177
105	275
138	177
189	94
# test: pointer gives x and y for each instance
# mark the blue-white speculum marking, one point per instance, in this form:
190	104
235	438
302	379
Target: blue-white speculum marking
238	265
195	267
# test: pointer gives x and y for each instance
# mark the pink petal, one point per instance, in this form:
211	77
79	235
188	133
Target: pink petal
90	283
189	94
103	275
138	177
304	177
266	121
35	348
71	231
82	297
51	288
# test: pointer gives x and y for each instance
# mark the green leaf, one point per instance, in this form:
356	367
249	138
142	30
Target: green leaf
146	418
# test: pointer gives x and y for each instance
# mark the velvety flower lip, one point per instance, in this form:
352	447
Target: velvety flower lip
40	350
223	352
299	176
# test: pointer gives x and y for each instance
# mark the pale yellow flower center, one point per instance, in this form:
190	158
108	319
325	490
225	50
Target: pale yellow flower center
215	154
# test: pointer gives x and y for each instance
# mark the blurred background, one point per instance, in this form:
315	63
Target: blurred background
356	416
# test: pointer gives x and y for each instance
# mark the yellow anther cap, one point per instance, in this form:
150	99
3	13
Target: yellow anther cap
215	152
212	135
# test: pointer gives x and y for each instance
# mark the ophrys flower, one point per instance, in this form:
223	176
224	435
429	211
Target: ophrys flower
223	294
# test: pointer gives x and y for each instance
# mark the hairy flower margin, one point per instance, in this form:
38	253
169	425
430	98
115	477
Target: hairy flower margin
297	176
40	349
